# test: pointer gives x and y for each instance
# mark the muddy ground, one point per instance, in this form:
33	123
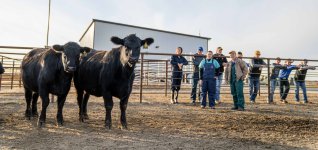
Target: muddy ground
156	124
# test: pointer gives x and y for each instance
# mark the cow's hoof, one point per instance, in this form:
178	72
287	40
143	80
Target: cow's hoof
60	123
85	117
28	114
124	127
108	125
35	114
81	118
41	123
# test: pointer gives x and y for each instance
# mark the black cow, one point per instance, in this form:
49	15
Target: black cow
109	74
47	71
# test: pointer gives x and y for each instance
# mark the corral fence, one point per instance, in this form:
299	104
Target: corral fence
154	74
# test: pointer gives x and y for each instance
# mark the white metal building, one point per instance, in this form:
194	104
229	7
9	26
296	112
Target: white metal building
99	32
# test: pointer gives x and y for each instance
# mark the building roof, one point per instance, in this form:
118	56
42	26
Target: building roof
102	21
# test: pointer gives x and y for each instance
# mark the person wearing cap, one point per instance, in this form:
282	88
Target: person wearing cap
300	76
235	73
221	59
196	59
177	62
208	68
256	66
273	79
283	77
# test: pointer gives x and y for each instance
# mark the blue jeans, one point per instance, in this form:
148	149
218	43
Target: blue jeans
218	86
272	91
195	80
254	87
302	85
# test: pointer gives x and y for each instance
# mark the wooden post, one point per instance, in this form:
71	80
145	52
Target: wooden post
268	79
12	75
141	76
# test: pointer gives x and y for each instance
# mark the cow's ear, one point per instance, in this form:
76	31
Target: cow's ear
117	40
85	49
58	47
149	41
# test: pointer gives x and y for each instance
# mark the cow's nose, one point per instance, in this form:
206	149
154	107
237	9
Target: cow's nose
72	69
133	59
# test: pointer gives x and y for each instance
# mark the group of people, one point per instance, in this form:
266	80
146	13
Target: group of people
209	70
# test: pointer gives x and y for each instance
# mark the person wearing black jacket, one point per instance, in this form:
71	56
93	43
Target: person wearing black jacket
196	59
221	59
300	76
177	62
256	66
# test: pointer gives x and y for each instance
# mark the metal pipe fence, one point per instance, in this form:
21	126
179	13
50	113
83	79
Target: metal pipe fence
153	76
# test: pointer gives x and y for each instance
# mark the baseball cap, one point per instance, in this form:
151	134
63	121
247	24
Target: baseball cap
200	48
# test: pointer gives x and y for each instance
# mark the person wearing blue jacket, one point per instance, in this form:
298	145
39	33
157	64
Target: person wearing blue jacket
177	62
208	68
284	83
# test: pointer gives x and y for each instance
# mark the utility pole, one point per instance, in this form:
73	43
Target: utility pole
48	26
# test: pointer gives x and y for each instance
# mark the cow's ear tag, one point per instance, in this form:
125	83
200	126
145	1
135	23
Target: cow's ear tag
145	46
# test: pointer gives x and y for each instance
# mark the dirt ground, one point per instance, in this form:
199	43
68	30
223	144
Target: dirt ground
156	124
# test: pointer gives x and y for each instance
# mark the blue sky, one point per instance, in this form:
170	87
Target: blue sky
285	28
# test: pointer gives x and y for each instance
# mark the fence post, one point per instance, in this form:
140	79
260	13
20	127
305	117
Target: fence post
268	79
166	80
141	76
12	75
20	79
147	72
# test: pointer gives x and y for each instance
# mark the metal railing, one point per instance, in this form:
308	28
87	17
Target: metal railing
153	76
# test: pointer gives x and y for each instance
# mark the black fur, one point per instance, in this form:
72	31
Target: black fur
109	74
47	71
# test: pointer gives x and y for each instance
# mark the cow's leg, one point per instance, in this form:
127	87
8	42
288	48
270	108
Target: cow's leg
60	104
80	104
45	102
28	97
123	107
85	100
108	102
35	98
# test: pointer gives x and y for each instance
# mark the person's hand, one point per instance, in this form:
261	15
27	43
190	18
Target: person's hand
200	82
180	66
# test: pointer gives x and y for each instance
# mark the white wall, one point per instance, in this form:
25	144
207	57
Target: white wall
88	38
167	42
